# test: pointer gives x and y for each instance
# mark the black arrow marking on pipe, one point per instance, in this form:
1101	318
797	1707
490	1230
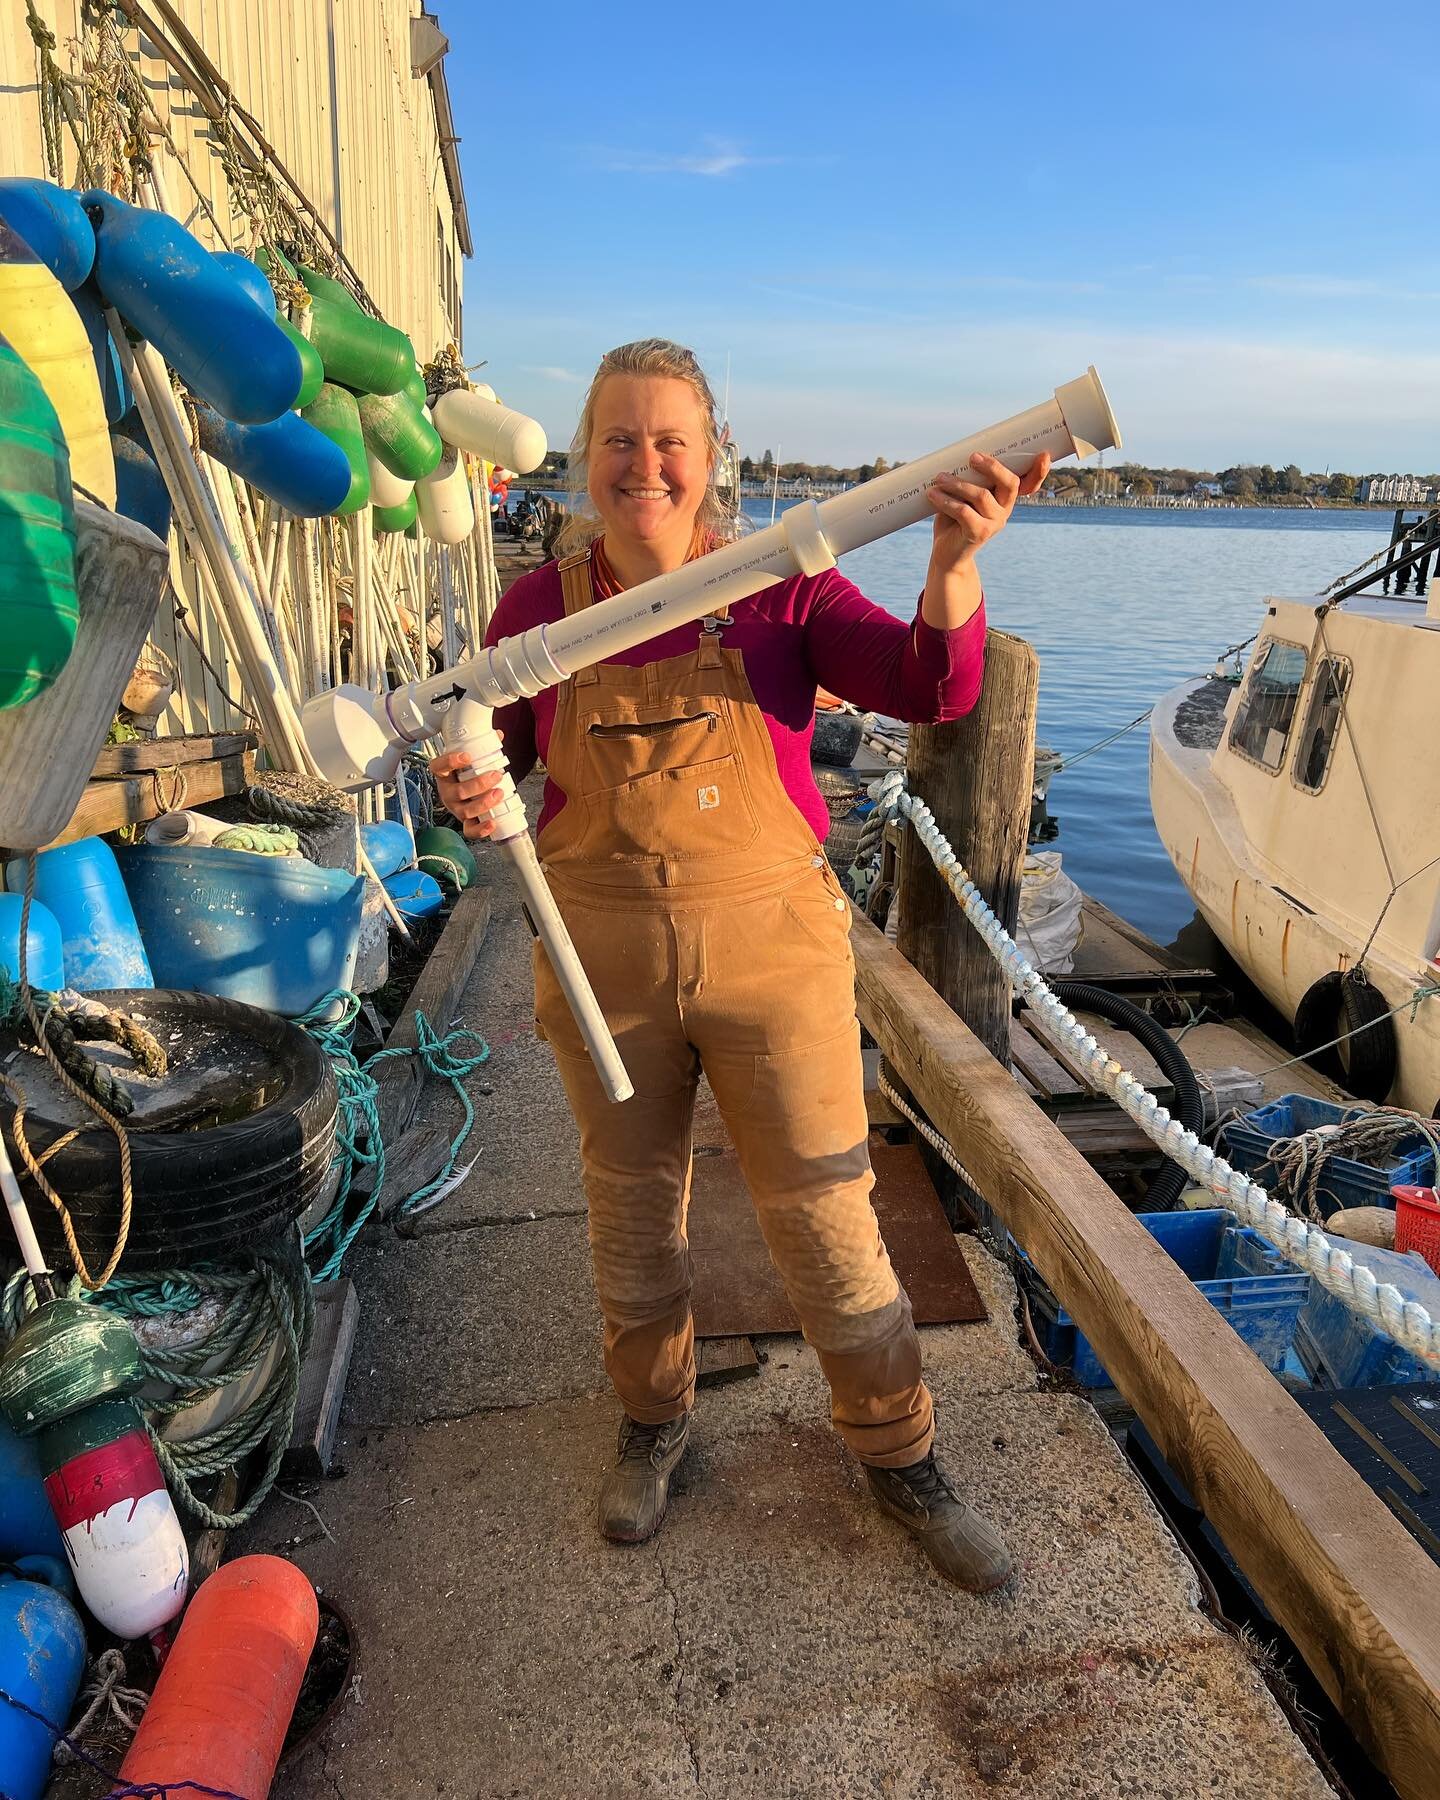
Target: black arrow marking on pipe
453	693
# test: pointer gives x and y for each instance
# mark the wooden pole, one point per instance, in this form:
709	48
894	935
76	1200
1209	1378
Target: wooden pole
1349	1584
976	775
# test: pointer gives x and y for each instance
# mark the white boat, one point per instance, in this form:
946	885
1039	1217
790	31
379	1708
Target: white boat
1301	808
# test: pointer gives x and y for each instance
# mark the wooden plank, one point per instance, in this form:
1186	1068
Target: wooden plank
322	1381
977	776
1102	1131
209	1547
1040	1069
1145	953
436	994
115	760
109	805
1349	1584
417	1159
718	1360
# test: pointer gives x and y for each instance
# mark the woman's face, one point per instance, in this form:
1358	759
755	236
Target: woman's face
648	461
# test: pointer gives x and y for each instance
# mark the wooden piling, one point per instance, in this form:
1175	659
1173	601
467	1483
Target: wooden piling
976	775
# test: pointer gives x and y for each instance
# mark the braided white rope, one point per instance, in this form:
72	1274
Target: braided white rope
1304	1244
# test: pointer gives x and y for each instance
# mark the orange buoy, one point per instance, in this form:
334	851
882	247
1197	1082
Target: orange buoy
224	1699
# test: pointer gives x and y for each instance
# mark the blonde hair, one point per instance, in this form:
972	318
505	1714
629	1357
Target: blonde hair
715	522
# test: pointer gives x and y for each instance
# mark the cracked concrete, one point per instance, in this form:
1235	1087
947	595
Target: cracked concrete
780	1638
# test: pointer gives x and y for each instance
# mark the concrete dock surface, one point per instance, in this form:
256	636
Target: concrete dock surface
779	1637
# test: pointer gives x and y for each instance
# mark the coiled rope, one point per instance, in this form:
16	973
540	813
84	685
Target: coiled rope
264	1306
1331	1263
1300	1162
331	1239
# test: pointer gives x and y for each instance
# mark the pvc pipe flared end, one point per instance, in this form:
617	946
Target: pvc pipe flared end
1088	418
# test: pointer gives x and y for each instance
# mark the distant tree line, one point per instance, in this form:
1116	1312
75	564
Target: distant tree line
1243	481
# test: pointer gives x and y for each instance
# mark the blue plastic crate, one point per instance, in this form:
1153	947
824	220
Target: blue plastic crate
1259	1293
1345	1182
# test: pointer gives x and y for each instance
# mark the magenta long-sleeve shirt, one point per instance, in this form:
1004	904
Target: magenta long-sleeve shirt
813	630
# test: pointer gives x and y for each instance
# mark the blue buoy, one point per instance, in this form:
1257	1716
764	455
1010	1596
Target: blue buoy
115	390
389	846
45	963
287	459
166	285
81	885
416	894
53	222
251	277
27	1525
140	490
42	1657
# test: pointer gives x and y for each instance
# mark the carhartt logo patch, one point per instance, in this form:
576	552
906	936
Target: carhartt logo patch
709	798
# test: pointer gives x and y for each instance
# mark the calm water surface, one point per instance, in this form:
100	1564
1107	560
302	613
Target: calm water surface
1121	604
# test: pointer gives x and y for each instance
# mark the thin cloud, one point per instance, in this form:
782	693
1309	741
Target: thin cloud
1338	287
552	372
720	157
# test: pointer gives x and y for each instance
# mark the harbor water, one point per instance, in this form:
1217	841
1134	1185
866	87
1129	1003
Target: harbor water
1121	603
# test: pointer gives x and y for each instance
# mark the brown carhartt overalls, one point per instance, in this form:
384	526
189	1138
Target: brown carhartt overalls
715	935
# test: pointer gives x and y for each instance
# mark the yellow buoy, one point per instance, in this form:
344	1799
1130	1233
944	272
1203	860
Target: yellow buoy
47	333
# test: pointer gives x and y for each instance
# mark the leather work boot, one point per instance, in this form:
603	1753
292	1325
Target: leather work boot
965	1548
634	1492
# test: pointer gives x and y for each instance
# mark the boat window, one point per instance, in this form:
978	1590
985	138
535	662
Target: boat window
1322	722
1267	708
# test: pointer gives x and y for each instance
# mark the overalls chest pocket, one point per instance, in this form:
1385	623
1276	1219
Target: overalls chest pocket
662	779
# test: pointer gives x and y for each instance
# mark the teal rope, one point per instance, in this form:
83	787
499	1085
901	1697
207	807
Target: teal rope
329	1242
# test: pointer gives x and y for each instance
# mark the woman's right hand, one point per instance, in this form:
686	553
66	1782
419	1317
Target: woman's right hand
470	794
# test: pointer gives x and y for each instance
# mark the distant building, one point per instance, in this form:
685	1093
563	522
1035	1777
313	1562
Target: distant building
1211	490
1397	490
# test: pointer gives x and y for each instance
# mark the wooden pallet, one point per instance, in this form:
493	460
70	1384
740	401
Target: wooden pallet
117	760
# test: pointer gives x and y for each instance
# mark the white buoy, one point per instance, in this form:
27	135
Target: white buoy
465	417
386	489
121	1534
447	512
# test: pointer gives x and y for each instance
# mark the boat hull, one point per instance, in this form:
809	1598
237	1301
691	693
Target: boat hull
1282	943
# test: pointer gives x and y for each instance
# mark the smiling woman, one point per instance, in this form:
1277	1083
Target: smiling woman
657	407
680	835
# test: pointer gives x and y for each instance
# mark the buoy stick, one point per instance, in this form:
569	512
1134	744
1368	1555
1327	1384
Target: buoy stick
30	1252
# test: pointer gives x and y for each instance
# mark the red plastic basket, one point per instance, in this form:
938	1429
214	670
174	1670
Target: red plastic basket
1417	1222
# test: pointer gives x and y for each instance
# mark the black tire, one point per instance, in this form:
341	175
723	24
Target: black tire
1188	1105
197	1194
1340	1003
836	740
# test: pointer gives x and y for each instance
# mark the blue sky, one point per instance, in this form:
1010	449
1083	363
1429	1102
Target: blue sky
903	221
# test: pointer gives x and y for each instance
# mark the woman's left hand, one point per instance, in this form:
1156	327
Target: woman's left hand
970	513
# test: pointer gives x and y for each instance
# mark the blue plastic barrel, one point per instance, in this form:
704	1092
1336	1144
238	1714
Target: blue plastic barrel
27	1525
45	958
115	390
53	222
273	931
416	894
250	277
287	459
42	1657
81	885
389	846
140	490
167	285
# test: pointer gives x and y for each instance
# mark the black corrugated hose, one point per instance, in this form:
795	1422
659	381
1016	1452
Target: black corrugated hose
1188	1105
